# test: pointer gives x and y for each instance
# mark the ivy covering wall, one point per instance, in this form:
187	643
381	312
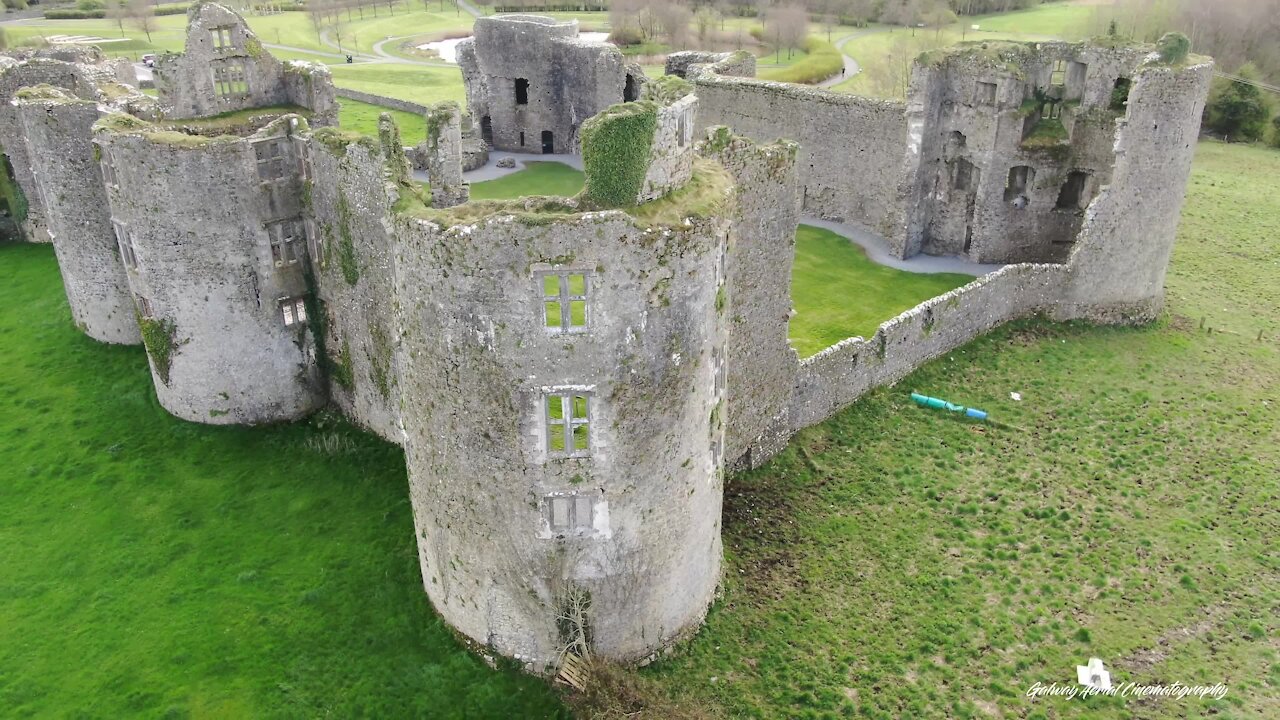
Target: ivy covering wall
12	200
615	152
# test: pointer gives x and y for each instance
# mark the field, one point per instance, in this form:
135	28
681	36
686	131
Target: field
892	562
839	293
896	562
363	118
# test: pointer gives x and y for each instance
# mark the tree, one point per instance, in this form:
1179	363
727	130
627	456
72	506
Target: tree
786	27
1238	110
673	21
316	10
1275	121
142	16
117	10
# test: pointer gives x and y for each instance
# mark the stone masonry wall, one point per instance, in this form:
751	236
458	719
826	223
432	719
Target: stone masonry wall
671	155
644	537
225	68
566	80
761	363
1122	254
197	216
839	375
58	130
852	163
79	80
353	262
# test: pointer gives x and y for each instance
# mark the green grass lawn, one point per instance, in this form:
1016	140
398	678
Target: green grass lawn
838	292
895	562
152	567
414	83
363	118
537	178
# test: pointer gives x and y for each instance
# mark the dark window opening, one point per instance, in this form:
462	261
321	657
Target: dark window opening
958	140
630	91
962	174
486	130
985	93
1071	197
522	91
1015	190
1120	94
548	143
521	138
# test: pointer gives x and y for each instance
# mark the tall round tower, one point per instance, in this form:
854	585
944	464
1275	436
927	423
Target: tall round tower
562	384
215	246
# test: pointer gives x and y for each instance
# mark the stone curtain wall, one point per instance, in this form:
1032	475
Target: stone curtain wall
852	162
738	64
393	103
195	213
839	375
58	130
478	362
353	263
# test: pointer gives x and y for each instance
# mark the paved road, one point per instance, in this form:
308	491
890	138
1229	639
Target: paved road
851	66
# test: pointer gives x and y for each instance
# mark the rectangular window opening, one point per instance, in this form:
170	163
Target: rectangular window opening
569	513
229	82
272	159
568	424
1020	177
127	254
1058	76
522	91
564	301
293	310
288	238
985	93
222	37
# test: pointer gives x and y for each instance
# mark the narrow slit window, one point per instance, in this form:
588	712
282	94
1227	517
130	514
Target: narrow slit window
127	254
522	91
293	310
568	424
963	175
144	308
564	301
108	168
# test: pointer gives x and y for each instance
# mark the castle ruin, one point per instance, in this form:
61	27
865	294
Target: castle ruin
570	378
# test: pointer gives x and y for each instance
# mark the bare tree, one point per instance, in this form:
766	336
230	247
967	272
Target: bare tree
142	16
786	27
117	10
673	21
316	12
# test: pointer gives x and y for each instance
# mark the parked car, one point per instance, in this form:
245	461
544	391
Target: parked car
149	60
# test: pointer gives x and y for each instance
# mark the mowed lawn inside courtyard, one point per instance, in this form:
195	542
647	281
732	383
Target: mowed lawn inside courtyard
892	562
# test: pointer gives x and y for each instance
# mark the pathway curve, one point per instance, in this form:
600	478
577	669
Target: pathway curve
878	251
851	66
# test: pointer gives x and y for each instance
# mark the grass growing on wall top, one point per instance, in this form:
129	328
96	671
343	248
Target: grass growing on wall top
154	567
838	292
537	178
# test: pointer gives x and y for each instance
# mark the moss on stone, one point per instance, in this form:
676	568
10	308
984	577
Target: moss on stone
340	368
1047	133
615	153
667	89
337	140
160	338
43	91
706	194
437	117
12	196
347	259
397	164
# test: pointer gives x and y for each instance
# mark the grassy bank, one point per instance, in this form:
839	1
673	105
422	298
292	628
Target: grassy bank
153	567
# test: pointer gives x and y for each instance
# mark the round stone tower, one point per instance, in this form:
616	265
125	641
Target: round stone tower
58	128
563	426
215	246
